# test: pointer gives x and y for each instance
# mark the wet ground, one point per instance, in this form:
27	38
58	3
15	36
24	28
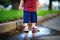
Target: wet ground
53	23
49	30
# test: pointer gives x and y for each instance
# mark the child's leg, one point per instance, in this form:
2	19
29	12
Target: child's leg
33	24
26	27
33	19
25	24
26	20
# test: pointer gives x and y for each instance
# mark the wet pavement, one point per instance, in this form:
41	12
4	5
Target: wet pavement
49	30
53	23
44	34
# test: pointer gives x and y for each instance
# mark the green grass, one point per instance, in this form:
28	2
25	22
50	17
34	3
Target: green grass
46	12
7	15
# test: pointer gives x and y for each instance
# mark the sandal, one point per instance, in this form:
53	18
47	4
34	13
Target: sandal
35	29
26	29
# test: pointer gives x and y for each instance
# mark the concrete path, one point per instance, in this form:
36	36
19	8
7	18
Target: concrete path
53	23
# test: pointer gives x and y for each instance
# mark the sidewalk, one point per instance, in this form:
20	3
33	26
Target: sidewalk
53	23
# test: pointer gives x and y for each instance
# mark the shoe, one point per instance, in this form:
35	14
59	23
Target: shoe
35	29
26	29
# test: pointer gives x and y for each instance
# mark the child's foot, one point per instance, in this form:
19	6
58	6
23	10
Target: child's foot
26	29
35	29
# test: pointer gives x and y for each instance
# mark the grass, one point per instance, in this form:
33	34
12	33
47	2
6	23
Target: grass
7	15
46	12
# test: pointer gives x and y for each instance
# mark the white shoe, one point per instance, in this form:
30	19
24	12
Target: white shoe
35	29
26	29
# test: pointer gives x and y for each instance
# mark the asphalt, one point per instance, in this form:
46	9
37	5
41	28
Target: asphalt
49	30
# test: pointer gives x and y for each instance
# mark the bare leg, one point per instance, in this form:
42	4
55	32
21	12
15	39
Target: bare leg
25	24
34	28
33	24
26	27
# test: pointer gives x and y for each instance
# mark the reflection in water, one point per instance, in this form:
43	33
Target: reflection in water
30	34
26	36
33	35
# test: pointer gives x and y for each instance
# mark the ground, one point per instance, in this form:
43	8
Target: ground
49	30
53	23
